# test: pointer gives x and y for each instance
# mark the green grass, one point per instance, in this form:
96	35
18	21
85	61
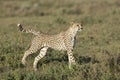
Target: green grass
97	50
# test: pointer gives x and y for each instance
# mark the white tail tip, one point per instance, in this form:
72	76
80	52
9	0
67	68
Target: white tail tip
18	25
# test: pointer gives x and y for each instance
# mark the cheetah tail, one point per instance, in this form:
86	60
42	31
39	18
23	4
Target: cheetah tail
20	27
27	31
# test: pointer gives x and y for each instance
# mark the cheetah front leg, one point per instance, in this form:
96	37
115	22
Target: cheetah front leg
71	58
40	56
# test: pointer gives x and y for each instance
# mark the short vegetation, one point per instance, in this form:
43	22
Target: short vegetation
97	50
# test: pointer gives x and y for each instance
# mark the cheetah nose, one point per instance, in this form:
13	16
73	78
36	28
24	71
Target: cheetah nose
81	28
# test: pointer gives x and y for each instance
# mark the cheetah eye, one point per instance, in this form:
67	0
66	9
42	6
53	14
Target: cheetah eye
81	24
77	24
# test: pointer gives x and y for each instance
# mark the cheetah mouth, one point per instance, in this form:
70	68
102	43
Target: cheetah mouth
80	29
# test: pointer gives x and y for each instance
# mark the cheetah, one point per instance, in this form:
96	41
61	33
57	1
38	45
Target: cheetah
62	41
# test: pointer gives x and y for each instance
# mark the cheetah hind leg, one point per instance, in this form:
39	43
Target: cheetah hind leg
27	53
40	56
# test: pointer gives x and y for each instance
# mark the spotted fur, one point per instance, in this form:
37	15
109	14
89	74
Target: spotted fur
63	41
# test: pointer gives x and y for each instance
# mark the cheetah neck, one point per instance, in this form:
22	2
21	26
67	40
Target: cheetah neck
72	35
73	32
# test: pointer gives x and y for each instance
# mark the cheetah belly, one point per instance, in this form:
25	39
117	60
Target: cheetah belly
55	43
58	45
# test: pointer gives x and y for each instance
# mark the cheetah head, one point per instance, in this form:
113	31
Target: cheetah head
77	26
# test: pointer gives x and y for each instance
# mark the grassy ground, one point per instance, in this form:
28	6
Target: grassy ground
97	51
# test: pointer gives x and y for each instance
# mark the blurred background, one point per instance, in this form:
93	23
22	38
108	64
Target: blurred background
97	49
